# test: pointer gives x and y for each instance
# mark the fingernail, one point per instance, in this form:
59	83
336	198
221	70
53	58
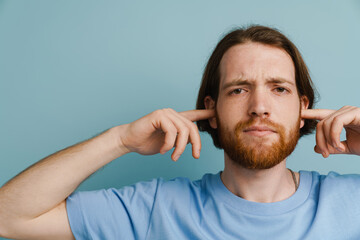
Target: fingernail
176	157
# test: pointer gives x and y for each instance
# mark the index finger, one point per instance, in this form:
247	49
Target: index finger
196	115
317	114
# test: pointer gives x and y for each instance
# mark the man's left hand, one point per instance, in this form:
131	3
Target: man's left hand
329	128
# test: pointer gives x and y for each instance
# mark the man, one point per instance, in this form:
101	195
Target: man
255	101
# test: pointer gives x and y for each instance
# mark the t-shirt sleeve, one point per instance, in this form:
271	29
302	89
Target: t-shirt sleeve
112	213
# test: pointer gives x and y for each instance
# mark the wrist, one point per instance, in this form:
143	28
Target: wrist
119	132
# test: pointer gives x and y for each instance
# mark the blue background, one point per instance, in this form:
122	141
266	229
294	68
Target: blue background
72	69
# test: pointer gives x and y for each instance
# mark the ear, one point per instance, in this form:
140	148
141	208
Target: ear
304	101
210	104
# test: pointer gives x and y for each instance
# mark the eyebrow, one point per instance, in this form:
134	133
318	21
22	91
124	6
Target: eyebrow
238	82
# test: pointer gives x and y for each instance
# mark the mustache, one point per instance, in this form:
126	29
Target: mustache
243	125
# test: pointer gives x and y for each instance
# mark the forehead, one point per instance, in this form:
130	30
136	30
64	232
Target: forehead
256	62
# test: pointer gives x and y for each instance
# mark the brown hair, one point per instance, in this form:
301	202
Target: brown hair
259	34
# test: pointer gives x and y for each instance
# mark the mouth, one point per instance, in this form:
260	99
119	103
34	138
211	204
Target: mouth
259	131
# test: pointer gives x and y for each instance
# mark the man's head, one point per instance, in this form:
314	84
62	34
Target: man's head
256	80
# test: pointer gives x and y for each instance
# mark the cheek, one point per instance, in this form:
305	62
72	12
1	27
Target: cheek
225	120
231	107
229	114
289	116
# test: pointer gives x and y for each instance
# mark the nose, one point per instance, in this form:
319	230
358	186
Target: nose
259	104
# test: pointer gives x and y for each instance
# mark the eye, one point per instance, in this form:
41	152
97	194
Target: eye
236	91
281	89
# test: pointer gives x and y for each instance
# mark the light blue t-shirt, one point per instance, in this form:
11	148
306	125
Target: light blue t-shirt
323	207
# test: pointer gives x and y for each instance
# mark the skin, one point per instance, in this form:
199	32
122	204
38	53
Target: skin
329	128
258	98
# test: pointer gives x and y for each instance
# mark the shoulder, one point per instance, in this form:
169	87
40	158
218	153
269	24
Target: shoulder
335	178
184	188
331	177
336	183
179	185
187	183
338	196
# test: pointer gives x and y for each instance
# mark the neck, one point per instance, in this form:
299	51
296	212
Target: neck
264	185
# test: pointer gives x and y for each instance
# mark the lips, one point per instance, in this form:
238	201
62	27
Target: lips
259	129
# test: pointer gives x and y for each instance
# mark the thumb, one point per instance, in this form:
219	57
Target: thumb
344	149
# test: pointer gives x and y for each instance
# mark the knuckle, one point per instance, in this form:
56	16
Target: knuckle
164	110
171	110
169	143
173	132
181	148
319	125
195	134
168	110
195	127
185	131
333	140
326	124
356	109
170	133
158	112
337	119
319	138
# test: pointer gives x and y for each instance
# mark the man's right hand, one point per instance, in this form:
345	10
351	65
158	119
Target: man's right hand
161	130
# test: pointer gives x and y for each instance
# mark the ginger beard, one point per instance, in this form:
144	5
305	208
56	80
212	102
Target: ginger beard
254	152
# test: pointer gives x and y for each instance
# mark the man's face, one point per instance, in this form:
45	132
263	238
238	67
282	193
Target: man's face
258	108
